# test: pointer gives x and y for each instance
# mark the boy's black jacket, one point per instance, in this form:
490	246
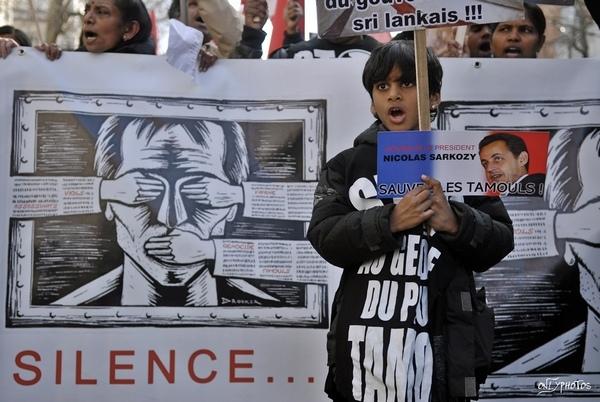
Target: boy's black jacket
460	326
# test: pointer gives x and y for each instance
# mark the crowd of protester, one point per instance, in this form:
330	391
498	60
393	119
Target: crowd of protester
124	26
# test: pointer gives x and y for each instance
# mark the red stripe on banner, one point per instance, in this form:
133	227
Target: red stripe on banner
154	31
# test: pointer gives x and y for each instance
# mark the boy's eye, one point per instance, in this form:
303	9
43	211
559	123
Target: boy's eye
381	86
407	84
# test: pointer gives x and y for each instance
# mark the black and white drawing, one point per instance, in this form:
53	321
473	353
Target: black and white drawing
156	211
546	294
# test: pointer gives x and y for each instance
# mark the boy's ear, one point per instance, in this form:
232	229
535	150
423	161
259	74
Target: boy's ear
373	112
434	101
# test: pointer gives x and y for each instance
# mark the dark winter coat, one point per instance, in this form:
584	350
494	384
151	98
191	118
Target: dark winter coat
460	327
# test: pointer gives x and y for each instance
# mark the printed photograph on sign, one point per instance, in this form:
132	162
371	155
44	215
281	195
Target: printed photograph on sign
340	18
545	293
157	211
506	163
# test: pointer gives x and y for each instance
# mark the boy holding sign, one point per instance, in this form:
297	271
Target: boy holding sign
405	316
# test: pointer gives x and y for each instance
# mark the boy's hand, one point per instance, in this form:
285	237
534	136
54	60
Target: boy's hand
443	218
412	210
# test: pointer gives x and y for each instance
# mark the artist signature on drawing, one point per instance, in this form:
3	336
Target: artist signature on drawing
552	385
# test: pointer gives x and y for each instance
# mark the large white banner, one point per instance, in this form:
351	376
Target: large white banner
153	229
179	269
545	293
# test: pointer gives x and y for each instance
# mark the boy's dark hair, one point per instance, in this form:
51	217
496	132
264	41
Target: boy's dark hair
19	36
515	144
401	54
405	35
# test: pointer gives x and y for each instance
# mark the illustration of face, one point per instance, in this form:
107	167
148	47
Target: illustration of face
479	40
516	39
177	160
499	163
395	102
586	255
102	26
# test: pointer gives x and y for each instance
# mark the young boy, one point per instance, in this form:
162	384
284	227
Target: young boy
404	315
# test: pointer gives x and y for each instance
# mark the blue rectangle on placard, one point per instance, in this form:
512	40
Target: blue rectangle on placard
402	157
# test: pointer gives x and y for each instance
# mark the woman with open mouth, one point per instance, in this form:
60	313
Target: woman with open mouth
520	38
116	26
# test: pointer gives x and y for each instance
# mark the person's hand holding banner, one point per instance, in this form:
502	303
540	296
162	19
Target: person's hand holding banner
443	218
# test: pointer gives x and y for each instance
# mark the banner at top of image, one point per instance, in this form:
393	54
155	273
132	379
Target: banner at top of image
357	17
466	163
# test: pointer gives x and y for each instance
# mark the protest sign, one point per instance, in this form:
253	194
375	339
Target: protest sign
466	163
554	2
358	17
269	353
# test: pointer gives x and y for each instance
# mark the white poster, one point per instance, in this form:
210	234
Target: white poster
154	229
231	302
545	293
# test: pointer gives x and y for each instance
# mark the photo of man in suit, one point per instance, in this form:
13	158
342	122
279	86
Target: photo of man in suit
505	159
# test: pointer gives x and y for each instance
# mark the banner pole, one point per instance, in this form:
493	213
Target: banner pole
36	21
422	79
183	11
